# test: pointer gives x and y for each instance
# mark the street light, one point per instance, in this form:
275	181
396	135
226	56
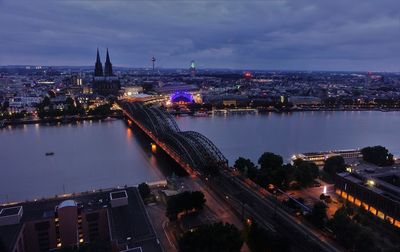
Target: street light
370	182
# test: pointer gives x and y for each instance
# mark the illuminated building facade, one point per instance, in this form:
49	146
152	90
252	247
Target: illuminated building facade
377	192
319	157
181	98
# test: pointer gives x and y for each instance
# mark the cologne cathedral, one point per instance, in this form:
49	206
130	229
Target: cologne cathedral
105	82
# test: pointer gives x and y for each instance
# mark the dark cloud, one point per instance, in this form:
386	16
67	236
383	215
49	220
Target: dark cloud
296	34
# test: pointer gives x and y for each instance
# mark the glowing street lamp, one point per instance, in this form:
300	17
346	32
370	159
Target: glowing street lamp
370	182
153	148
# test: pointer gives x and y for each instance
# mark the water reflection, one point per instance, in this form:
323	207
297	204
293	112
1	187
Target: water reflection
92	155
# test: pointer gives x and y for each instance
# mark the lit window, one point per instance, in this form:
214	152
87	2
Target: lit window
372	210
390	219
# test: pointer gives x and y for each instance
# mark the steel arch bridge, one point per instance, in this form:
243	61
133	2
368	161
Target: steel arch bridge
192	150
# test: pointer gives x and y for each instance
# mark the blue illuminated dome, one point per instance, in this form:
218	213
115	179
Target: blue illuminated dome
181	97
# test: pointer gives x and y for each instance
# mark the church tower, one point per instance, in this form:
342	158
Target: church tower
108	66
105	83
98	69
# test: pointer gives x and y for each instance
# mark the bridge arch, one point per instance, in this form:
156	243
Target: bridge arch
194	148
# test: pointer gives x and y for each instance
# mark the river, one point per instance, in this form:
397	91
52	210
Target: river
93	155
87	156
285	134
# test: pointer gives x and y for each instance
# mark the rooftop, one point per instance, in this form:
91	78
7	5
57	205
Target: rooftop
119	194
126	221
379	176
10	211
67	203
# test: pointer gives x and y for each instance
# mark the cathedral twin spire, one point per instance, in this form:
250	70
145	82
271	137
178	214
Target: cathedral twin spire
98	70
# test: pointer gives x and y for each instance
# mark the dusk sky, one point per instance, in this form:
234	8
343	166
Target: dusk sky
237	34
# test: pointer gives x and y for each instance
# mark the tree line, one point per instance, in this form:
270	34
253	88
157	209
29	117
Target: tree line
272	170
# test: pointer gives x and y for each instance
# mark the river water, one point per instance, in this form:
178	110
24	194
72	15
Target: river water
93	155
87	155
285	134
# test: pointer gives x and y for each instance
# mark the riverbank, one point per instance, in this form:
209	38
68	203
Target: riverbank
56	120
235	111
224	112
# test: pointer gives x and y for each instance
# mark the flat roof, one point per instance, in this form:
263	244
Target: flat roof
10	211
366	171
131	221
126	221
118	194
67	203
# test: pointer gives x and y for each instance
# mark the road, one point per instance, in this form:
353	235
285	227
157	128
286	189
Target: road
216	209
267	210
243	198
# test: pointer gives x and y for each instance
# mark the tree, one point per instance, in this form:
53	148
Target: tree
102	110
144	190
45	103
318	214
378	155
247	167
52	94
70	102
335	164
364	241
184	202
305	172
259	239
198	200
6	104
342	225
217	237
270	160
271	170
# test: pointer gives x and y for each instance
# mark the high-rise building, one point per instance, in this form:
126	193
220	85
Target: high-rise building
107	84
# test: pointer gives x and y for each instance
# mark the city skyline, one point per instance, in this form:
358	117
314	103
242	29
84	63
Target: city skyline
272	35
199	125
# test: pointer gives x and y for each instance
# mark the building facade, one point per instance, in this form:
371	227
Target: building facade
372	193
